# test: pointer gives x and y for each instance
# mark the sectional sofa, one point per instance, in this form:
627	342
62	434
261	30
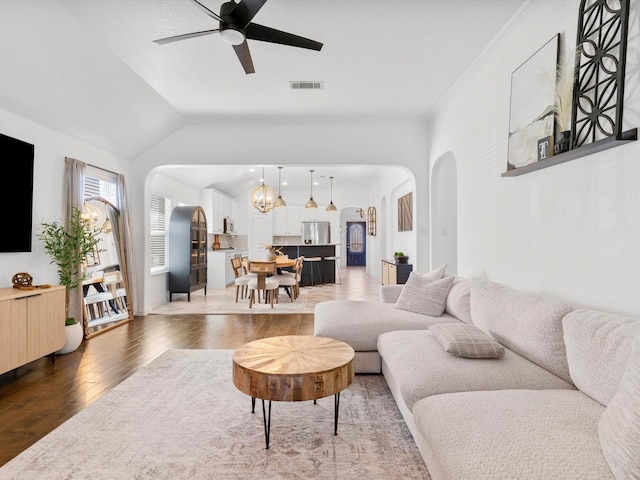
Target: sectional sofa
497	383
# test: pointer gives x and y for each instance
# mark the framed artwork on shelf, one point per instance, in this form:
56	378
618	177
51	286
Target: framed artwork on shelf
405	212
532	109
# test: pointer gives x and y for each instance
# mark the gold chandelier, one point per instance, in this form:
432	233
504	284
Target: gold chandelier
262	197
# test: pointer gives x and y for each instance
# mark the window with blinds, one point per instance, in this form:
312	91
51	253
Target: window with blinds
159	210
99	183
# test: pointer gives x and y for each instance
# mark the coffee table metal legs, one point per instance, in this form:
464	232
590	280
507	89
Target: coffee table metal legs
266	415
267	423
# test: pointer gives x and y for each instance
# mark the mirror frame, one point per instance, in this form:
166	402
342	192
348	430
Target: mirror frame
119	242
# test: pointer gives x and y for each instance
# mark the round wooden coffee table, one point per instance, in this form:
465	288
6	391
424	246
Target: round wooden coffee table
293	368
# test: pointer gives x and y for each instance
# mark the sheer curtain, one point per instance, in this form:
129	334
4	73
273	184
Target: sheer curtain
123	205
74	172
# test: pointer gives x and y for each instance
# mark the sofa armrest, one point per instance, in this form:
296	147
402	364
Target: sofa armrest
390	293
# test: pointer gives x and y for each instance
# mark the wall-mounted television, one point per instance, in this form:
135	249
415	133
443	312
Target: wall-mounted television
16	194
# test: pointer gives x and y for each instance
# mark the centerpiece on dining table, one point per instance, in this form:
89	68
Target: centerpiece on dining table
273	252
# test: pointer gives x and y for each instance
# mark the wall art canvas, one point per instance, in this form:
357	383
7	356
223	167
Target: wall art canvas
531	115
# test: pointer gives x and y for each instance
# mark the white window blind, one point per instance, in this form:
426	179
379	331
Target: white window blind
159	224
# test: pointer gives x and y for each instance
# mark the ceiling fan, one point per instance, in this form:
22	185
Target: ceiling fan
235	28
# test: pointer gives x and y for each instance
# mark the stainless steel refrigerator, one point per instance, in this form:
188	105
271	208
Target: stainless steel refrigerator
316	233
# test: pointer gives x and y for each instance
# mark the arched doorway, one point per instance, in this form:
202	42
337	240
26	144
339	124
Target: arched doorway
444	213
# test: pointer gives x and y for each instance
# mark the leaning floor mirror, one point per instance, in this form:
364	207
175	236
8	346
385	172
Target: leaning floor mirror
105	288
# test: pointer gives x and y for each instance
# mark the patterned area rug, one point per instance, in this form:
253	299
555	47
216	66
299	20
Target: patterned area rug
181	417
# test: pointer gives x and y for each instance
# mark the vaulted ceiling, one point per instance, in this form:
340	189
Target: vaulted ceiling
90	68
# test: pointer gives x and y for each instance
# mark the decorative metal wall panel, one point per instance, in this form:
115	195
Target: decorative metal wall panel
598	94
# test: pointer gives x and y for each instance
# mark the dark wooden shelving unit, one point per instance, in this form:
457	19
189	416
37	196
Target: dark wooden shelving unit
583	151
187	251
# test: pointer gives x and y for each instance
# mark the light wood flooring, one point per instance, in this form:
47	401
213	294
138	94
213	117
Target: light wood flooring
39	396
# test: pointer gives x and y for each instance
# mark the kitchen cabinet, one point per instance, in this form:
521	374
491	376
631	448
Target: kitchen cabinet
220	273
217	207
395	273
187	250
31	325
287	220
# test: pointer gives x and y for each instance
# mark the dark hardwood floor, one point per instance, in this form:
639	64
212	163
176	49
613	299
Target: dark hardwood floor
39	396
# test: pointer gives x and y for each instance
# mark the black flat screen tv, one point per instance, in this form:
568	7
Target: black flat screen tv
16	194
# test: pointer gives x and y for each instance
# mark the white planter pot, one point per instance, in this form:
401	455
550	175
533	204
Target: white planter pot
73	335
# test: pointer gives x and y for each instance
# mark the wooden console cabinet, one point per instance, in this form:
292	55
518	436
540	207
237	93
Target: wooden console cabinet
395	273
31	325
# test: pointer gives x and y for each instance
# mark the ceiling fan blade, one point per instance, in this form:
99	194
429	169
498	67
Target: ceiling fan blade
267	34
244	55
211	13
184	36
246	10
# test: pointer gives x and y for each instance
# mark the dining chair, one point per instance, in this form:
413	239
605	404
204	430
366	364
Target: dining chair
269	285
292	279
241	280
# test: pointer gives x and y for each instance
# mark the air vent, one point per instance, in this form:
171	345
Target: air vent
306	85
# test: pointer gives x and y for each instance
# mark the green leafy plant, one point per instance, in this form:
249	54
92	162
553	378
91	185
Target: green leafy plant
68	249
398	254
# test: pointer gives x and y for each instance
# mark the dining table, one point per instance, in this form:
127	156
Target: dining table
261	268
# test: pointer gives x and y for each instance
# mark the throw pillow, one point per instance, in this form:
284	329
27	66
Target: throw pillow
465	340
619	426
425	296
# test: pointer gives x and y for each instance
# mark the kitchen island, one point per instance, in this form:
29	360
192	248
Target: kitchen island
327	267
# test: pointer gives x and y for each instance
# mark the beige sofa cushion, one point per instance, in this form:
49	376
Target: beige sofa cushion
358	322
512	434
619	427
598	346
530	324
421	368
459	299
464	340
423	295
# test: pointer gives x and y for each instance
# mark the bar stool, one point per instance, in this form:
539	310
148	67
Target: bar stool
317	261
336	266
97	305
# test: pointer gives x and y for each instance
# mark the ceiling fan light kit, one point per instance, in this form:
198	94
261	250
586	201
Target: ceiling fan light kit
235	28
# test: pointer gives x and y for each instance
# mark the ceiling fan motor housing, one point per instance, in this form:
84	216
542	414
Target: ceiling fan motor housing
229	30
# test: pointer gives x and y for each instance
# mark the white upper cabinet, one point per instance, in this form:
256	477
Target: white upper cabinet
217	206
286	220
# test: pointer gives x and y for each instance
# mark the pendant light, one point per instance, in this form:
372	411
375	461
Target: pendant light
311	203
279	201
262	197
331	207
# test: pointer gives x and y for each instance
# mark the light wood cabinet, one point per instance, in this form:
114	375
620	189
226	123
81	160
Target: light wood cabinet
31	325
395	273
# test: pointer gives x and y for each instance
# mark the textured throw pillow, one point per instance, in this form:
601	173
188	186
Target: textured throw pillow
465	340
619	426
421	295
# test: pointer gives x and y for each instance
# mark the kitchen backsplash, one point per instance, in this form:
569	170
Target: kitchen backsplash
239	242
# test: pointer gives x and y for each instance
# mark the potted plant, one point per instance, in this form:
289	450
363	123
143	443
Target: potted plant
400	257
68	248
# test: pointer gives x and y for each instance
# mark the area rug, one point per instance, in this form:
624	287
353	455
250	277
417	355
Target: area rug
181	417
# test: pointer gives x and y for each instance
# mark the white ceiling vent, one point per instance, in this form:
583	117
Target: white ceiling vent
306	85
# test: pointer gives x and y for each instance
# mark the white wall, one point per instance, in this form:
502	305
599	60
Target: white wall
51	148
293	142
571	230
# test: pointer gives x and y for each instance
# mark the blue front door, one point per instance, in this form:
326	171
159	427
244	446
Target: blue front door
356	243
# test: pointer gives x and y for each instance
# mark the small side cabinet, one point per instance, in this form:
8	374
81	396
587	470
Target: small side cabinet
31	325
395	273
187	251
